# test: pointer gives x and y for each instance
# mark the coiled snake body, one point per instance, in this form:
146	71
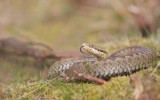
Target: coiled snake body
123	62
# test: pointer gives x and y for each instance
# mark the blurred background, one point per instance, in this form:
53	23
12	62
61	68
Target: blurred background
36	33
65	24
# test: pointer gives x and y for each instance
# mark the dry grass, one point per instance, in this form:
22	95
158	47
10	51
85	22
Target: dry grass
65	26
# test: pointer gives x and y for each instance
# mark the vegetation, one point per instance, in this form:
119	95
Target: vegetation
64	25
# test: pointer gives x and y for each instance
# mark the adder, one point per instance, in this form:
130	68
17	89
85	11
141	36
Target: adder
102	67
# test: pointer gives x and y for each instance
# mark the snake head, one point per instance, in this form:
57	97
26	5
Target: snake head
93	50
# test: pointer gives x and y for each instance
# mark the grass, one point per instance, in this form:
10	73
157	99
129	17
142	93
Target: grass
64	27
68	91
118	88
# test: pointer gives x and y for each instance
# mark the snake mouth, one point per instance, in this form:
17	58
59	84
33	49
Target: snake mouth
81	49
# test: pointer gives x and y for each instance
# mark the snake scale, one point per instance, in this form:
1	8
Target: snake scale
125	61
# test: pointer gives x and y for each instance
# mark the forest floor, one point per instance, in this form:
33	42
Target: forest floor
22	78
64	27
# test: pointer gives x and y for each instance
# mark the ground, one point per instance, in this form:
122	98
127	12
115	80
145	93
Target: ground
65	27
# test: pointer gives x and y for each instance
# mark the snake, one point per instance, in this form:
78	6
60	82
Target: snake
125	61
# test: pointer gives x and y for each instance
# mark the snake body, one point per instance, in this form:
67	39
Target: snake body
61	66
123	62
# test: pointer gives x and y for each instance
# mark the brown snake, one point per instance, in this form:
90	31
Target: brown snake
123	62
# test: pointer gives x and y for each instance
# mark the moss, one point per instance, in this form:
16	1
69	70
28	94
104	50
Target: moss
116	88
